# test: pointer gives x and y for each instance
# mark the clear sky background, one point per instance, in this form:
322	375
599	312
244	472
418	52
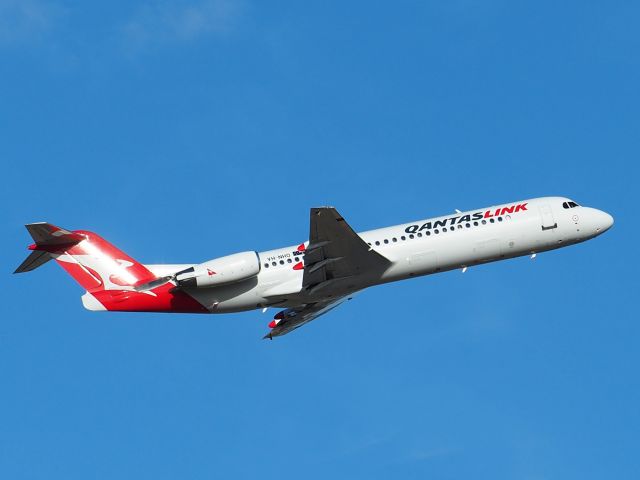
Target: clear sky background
186	130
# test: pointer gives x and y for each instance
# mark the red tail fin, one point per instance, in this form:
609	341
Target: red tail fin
107	273
97	265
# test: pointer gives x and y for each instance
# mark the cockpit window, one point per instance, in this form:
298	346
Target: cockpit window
569	204
565	205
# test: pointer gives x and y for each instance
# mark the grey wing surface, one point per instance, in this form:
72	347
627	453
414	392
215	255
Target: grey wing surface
292	318
336	256
337	263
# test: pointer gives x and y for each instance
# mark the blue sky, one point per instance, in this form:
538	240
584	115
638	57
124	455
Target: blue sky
186	130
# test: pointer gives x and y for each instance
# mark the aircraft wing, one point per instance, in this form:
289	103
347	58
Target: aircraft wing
292	318
336	253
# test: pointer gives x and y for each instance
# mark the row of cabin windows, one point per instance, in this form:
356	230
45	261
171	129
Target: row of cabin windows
569	205
282	262
436	231
411	236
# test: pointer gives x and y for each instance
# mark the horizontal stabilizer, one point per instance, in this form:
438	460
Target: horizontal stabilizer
45	234
33	261
49	239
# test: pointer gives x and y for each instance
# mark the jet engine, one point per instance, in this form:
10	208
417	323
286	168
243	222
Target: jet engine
220	271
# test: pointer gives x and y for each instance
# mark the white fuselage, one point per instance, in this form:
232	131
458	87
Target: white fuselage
424	247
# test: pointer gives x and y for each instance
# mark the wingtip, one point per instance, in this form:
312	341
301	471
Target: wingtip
323	207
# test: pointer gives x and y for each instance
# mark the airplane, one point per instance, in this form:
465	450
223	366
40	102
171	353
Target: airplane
309	279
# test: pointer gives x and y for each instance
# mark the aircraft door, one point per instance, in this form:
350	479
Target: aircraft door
546	215
423	261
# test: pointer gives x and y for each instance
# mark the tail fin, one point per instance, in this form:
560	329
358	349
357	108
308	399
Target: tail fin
108	274
92	261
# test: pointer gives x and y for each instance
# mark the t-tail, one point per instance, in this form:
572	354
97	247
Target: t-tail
109	275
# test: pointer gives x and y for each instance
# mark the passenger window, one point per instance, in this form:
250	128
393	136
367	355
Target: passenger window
403	238
492	220
499	219
420	234
475	224
377	242
484	222
386	241
436	231
288	260
411	236
394	239
468	225
428	233
266	265
273	264
281	262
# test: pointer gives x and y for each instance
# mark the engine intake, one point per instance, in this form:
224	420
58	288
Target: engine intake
220	271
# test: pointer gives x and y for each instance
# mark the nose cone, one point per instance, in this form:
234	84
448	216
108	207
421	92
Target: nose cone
603	221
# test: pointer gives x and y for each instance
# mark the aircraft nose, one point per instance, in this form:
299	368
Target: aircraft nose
603	221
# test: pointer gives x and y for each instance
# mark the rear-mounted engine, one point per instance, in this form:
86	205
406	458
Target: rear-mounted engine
220	271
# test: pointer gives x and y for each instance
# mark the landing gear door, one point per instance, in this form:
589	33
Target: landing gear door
546	215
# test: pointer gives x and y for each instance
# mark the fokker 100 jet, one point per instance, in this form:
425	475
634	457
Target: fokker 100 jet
308	279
